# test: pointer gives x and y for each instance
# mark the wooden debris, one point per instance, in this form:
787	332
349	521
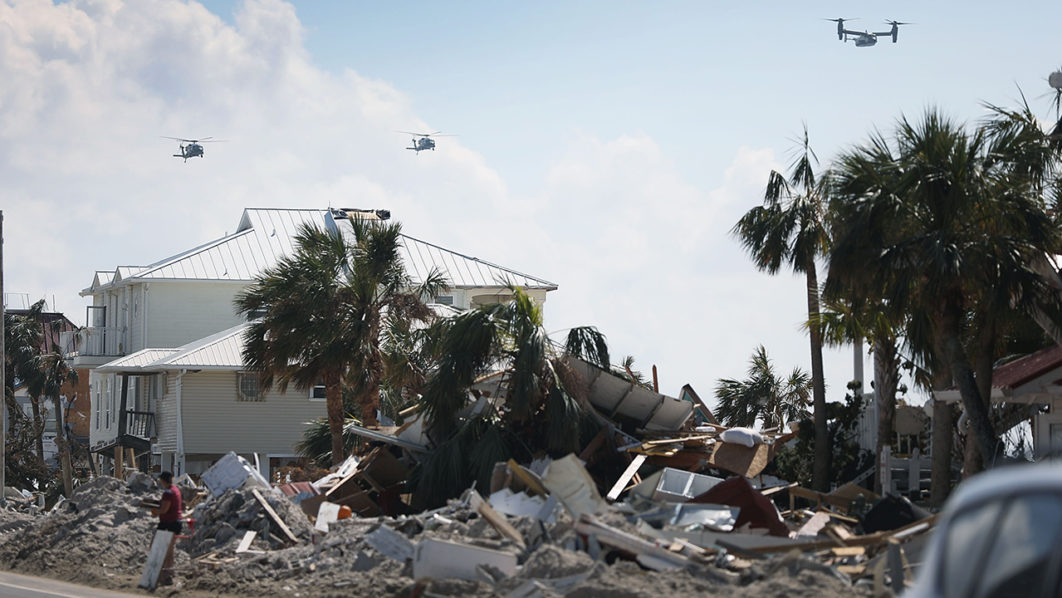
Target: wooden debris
245	542
156	555
657	557
273	515
628	473
528	478
495	518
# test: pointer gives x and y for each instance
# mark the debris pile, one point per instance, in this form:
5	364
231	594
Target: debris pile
100	536
704	519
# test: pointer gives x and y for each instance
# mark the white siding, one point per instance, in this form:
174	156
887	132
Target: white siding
103	396
166	415
215	422
182	312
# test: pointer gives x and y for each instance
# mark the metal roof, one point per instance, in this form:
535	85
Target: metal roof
221	351
265	235
136	361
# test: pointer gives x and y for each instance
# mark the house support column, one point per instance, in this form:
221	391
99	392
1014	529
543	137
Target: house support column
179	464
119	469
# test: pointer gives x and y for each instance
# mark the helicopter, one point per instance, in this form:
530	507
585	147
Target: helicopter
423	141
193	147
865	39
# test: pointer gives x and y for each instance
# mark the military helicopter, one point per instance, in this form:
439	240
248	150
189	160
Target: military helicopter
423	141
193	147
865	39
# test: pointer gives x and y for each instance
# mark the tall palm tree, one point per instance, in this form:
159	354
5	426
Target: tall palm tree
763	396
321	311
790	229
25	334
943	224
53	373
539	407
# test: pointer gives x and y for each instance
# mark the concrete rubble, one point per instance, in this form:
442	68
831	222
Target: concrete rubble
703	520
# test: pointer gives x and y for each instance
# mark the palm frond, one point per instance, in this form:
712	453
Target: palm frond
588	344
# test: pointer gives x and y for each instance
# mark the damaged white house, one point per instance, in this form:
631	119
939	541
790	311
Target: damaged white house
162	343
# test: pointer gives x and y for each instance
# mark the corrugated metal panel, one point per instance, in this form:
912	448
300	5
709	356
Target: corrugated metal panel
420	257
136	361
265	235
220	351
615	396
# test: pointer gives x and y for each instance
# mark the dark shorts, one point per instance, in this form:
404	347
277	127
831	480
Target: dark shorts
170	526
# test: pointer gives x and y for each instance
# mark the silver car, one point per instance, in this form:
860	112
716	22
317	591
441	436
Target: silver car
999	536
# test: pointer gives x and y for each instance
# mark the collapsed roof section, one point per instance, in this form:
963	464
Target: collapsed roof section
617	397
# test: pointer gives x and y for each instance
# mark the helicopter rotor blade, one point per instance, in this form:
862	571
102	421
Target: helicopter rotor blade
416	134
178	139
897	23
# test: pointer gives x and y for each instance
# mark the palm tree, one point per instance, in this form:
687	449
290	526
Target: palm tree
539	408
763	395
790	229
947	228
321	311
23	354
53	373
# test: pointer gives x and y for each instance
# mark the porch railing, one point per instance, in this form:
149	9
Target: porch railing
140	424
101	341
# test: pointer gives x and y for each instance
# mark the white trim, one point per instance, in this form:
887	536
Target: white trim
179	463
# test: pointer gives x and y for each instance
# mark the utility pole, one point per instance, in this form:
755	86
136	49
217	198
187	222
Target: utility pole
3	372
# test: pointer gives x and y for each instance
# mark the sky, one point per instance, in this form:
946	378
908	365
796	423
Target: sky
607	146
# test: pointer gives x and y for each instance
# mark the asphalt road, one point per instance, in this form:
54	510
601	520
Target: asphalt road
13	585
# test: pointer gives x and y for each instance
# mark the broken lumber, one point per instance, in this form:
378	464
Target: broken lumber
245	542
496	519
529	479
589	525
622	481
273	515
156	555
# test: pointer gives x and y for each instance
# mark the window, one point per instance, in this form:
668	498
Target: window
968	536
249	387
1021	556
445	299
317	393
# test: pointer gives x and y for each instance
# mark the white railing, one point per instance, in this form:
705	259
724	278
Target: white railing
68	343
100	341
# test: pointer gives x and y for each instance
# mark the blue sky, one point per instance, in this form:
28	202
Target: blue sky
606	146
516	79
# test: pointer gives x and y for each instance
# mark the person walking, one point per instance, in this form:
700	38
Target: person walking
169	513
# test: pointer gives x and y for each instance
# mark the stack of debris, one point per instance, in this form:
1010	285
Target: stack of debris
663	499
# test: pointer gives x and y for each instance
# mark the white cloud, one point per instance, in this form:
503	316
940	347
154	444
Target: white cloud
89	87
